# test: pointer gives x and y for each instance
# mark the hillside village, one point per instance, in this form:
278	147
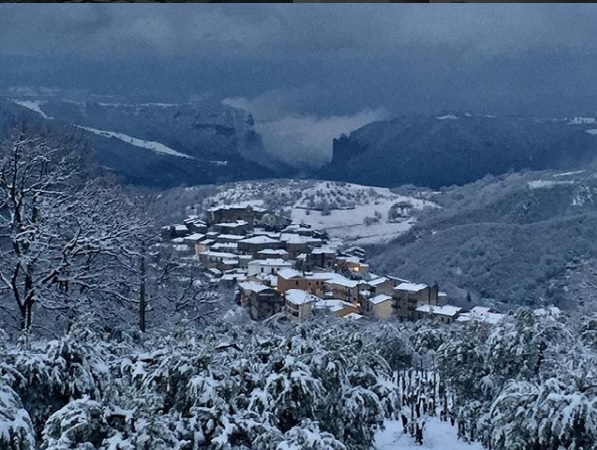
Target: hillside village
279	266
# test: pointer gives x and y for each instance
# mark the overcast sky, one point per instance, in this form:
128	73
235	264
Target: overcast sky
328	67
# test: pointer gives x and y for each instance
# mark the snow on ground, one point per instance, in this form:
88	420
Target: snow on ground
33	106
436	435
593	132
447	117
565	174
150	145
348	204
540	184
348	224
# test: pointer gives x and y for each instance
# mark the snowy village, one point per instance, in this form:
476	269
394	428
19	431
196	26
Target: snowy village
278	266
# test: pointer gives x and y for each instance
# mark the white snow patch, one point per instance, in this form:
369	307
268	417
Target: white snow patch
447	117
542	184
593	132
565	174
436	435
33	106
349	204
581	120
150	145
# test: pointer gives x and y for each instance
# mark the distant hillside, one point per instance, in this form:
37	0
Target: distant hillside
357	214
158	144
436	151
518	239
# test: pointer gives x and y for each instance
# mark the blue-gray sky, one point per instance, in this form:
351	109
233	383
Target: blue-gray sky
306	67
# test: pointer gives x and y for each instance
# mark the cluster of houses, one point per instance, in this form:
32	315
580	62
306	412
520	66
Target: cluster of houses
279	266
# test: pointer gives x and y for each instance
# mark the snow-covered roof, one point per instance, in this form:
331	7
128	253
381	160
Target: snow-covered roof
340	280
377	281
225	245
480	309
227	207
234	277
253	286
349	259
287	274
235	224
271	251
322	250
179	227
298	297
230	261
291	238
335	303
446	310
380	299
260	240
481	314
234	237
353	316
411	287
320	275
268	278
194	237
219	254
270	262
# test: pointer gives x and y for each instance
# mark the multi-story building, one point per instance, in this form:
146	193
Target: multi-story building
409	296
262	301
299	304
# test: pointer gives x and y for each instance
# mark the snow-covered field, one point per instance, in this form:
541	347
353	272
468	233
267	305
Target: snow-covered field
347	206
33	106
436	435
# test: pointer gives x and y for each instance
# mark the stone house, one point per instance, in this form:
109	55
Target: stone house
409	296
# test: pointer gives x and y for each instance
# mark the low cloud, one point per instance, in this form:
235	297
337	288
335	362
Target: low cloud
294	135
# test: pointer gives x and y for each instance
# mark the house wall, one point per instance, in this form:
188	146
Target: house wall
265	304
299	312
406	302
303	284
385	288
254	269
383	310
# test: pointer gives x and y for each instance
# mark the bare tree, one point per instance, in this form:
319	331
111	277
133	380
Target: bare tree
62	231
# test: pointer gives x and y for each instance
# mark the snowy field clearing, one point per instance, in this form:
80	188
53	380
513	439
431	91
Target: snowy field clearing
348	223
349	206
437	435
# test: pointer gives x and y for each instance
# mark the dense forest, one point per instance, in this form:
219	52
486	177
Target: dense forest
527	383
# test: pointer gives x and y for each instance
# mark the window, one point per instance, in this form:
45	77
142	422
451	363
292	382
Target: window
296	282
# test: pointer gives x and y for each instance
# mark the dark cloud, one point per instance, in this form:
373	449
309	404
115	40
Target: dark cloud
116	30
309	72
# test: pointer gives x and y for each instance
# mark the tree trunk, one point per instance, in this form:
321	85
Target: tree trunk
142	291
